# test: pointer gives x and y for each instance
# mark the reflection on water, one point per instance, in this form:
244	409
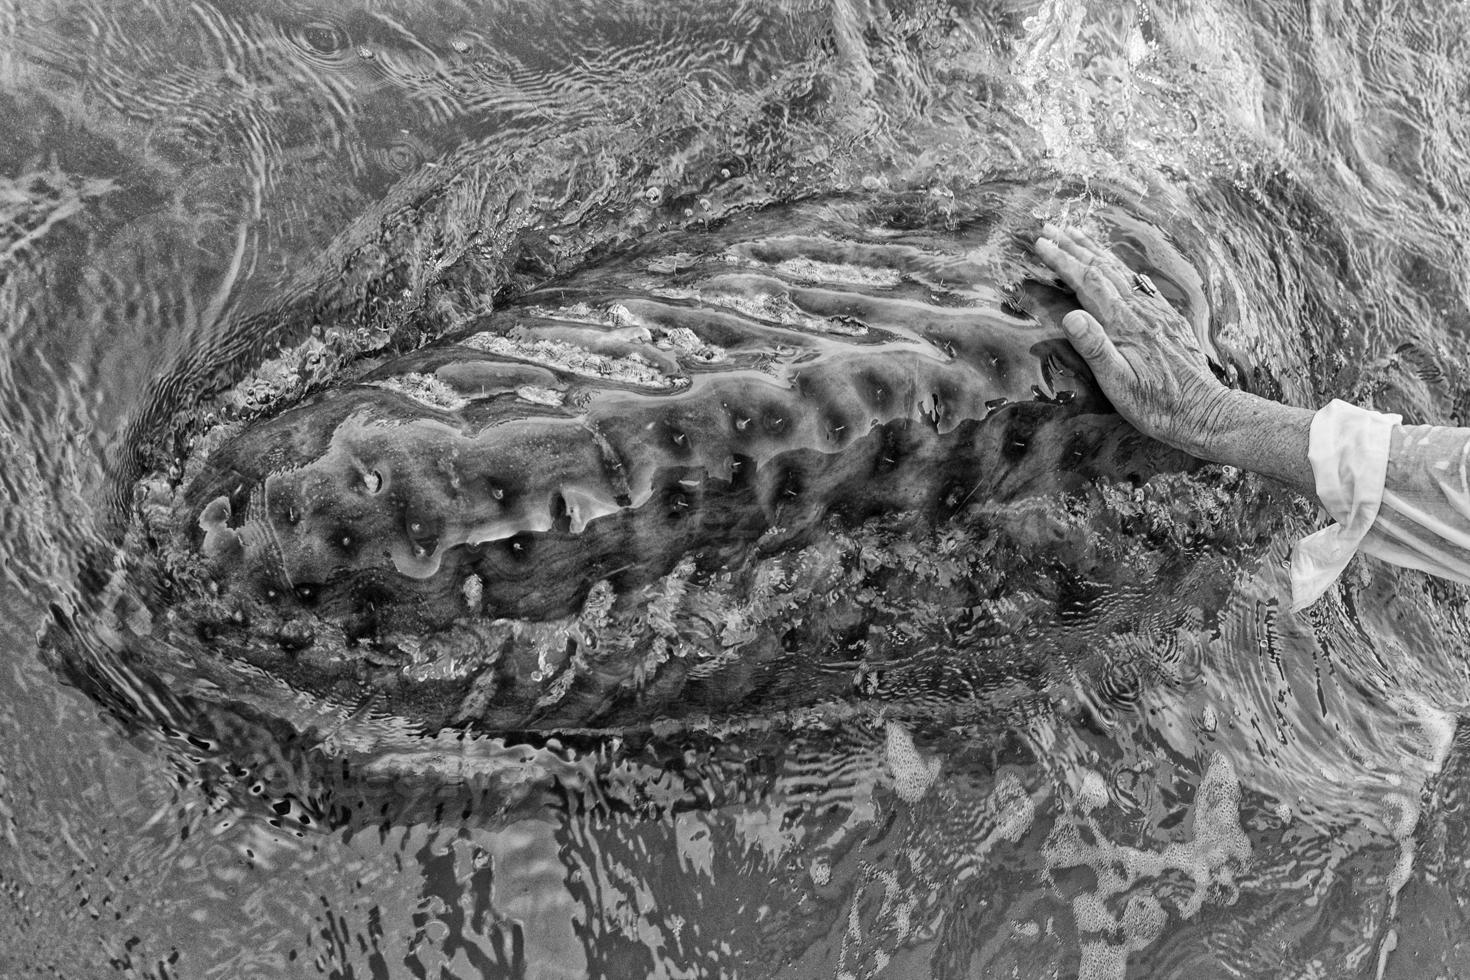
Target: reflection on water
1159	768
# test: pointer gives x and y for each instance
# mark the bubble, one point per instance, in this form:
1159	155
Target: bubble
871	183
704	204
460	44
653	195
324	37
403	153
324	44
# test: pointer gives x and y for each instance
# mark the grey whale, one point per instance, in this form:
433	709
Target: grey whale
650	489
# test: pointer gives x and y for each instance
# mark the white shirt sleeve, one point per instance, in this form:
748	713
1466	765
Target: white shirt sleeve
1348	450
1397	492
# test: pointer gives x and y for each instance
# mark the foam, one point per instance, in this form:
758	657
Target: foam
1219	845
1093	793
1015	810
912	773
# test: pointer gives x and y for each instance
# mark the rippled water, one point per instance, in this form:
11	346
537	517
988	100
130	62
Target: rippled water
1193	783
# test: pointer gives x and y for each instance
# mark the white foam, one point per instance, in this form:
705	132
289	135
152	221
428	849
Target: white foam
912	773
1015	810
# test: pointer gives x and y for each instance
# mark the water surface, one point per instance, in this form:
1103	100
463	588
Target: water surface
1195	782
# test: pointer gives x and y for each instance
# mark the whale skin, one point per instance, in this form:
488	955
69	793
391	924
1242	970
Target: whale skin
653	487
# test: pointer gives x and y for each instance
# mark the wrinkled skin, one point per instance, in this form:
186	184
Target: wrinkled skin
1146	359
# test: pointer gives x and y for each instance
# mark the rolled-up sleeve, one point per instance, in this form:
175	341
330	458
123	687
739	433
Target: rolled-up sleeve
1400	493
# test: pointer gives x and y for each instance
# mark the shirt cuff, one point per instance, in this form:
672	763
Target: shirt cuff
1348	450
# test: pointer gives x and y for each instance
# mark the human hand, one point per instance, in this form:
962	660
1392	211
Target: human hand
1142	352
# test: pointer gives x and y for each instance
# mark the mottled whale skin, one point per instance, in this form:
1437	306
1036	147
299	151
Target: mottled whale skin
514	528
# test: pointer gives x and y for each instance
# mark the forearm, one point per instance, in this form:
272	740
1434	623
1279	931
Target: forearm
1400	493
1252	433
1427	472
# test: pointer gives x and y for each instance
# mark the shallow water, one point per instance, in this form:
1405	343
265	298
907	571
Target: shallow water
1186	780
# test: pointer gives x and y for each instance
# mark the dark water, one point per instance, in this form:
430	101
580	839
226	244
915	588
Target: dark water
1199	784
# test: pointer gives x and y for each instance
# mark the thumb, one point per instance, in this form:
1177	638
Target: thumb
1091	341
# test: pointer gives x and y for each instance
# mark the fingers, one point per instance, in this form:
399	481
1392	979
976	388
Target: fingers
1094	287
1092	342
1062	263
1094	257
1075	241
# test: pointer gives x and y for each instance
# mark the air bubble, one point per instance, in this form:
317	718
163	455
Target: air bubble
653	195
